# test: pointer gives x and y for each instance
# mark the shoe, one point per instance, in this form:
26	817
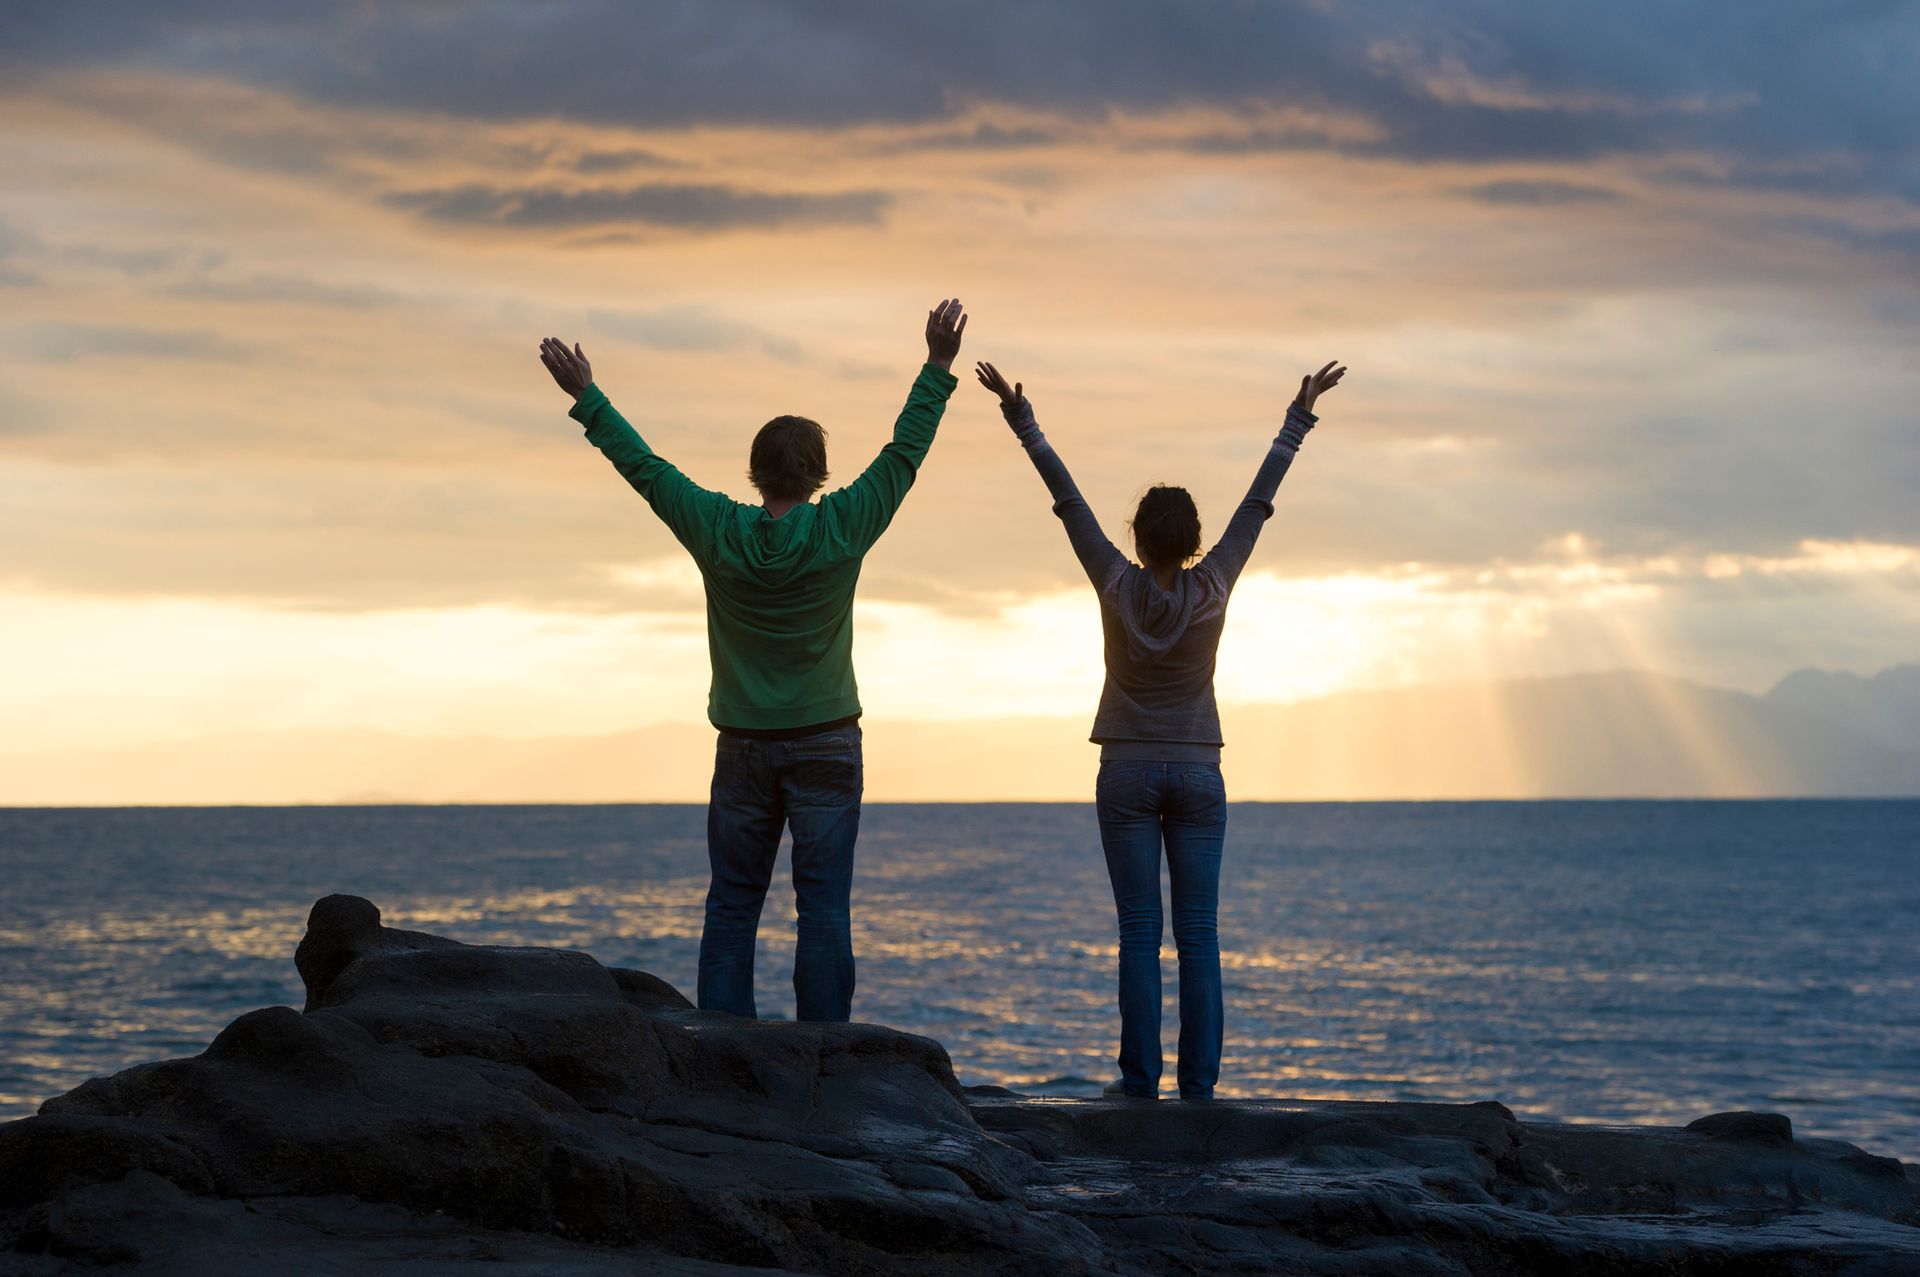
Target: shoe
1119	1088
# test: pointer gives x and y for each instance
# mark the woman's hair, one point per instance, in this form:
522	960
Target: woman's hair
1166	527
789	459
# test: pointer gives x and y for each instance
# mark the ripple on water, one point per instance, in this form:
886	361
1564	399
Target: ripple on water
1611	962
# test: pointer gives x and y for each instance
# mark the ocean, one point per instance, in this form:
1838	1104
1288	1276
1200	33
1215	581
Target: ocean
1612	962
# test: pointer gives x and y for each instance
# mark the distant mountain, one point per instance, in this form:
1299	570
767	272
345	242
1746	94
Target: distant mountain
1884	708
1588	735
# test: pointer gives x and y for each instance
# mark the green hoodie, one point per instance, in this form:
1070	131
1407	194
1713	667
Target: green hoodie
779	591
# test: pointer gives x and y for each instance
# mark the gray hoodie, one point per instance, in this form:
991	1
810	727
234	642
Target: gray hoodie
1158	703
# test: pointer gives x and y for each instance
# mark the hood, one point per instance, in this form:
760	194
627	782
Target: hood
1155	619
773	551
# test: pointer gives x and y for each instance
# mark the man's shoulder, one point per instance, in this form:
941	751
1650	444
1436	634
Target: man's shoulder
802	533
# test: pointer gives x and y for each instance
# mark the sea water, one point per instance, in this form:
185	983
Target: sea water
1579	961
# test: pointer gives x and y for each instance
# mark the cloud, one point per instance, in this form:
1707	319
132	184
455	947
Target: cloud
982	135
20	416
135	261
989	136
621	160
14	244
1514	335
294	290
64	343
327	538
693	327
13	239
1540	193
1838	173
680	207
125	261
1487	79
1898	246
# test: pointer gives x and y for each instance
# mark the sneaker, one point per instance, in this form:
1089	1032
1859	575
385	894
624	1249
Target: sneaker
1118	1088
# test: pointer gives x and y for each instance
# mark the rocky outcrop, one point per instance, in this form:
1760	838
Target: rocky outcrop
446	1106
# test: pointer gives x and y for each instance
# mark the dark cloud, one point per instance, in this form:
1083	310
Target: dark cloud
1482	79
1833	173
983	136
993	137
684	207
1538	193
1898	246
63	343
1486	134
1255	140
620	161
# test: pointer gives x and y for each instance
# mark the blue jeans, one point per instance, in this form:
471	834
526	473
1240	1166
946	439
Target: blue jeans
1183	806
813	786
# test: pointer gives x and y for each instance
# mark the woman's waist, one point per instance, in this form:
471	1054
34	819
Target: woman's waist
1125	750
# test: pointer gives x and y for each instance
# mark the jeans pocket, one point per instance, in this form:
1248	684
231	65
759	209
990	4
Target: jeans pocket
735	775
830	781
1127	792
1203	795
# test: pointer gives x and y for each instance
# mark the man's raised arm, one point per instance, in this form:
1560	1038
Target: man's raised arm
684	506
865	506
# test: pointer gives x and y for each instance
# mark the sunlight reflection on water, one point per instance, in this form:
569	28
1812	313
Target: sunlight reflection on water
1599	962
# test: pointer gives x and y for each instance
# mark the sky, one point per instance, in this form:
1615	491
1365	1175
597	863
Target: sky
1630	294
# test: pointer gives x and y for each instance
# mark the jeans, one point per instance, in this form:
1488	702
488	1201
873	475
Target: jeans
811	785
1183	806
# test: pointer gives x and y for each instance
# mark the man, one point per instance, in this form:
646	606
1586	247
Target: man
779	578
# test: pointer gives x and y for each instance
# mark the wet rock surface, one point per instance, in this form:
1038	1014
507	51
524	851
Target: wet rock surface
443	1107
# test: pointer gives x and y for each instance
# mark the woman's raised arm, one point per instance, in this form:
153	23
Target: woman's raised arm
1230	554
1098	556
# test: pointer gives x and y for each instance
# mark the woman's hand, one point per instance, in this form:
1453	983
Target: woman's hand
990	378
945	323
1319	383
570	368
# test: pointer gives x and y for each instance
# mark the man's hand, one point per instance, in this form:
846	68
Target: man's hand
990	377
1319	383
945	323
570	368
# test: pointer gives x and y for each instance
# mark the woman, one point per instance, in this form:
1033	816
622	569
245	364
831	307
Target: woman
1159	731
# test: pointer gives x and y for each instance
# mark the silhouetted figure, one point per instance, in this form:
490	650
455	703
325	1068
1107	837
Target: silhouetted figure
779	578
1159	730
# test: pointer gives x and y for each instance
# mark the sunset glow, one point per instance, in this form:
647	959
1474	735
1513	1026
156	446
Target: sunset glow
276	454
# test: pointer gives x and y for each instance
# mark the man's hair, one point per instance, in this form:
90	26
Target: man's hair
1166	527
789	459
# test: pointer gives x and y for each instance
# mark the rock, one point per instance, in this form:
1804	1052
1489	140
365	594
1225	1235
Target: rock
146	1224
1751	1128
649	991
442	1106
